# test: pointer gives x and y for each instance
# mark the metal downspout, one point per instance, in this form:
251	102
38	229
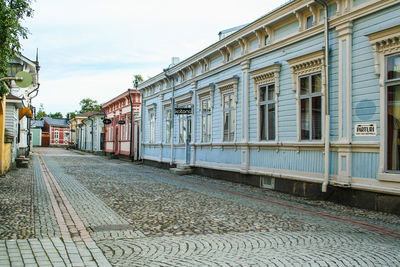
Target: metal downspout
130	138
141	125
172	115
327	115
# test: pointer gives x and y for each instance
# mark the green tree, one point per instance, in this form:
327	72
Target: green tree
88	104
137	78
12	12
41	113
56	115
71	115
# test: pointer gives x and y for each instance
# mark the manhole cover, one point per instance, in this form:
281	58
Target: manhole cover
111	227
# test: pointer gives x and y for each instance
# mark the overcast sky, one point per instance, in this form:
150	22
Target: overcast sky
92	48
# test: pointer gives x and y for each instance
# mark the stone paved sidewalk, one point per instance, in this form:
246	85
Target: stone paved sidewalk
30	193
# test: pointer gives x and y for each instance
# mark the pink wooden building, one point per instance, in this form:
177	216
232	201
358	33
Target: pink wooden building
122	124
58	129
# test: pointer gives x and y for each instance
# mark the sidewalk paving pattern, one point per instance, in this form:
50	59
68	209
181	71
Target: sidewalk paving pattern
143	216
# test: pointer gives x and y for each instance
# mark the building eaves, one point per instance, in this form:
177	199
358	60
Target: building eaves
211	49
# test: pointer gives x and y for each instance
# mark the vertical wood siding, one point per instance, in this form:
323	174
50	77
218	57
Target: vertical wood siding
305	161
365	165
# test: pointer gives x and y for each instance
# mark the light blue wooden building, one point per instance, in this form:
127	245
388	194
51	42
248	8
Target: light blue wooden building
305	99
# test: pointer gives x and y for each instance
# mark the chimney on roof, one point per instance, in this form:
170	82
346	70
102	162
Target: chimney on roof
174	61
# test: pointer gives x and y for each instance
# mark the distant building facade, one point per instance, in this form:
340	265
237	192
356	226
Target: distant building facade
91	132
58	129
277	105
123	129
36	130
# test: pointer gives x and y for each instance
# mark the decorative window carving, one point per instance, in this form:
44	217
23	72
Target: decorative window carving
152	117
168	119
228	86
206	105
266	91
386	47
383	43
266	76
308	77
228	90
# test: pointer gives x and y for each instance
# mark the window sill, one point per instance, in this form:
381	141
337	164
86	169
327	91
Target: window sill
389	177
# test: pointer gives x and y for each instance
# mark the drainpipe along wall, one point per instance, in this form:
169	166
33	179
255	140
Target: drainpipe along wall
327	114
170	77
131	124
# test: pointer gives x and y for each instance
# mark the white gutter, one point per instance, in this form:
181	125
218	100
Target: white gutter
327	115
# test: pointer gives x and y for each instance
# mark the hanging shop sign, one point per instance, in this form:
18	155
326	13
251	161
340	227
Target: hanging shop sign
365	129
183	111
106	121
121	122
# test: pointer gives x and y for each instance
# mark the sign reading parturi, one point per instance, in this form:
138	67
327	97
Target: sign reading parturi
365	129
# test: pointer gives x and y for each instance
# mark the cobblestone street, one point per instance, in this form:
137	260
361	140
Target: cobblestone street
76	209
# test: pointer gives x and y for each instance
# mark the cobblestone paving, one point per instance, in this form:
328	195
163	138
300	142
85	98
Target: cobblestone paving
16	207
45	220
143	216
185	221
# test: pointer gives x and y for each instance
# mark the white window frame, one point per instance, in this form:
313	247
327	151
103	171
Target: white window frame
56	135
184	100
383	44
229	87
309	96
203	94
302	66
265	77
167	107
151	109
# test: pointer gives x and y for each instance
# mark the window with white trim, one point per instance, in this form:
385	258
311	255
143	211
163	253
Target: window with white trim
266	91
267	112
206	120
310	107
393	113
386	49
151	109
184	126
308	76
152	116
56	134
229	117
228	90
184	122
206	104
168	125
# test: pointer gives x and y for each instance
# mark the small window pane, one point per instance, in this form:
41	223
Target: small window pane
266	39
262	93
316	83
226	101
271	121
262	123
305	119
310	20
226	125
232	125
316	118
208	127
393	67
393	128
271	91
304	85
